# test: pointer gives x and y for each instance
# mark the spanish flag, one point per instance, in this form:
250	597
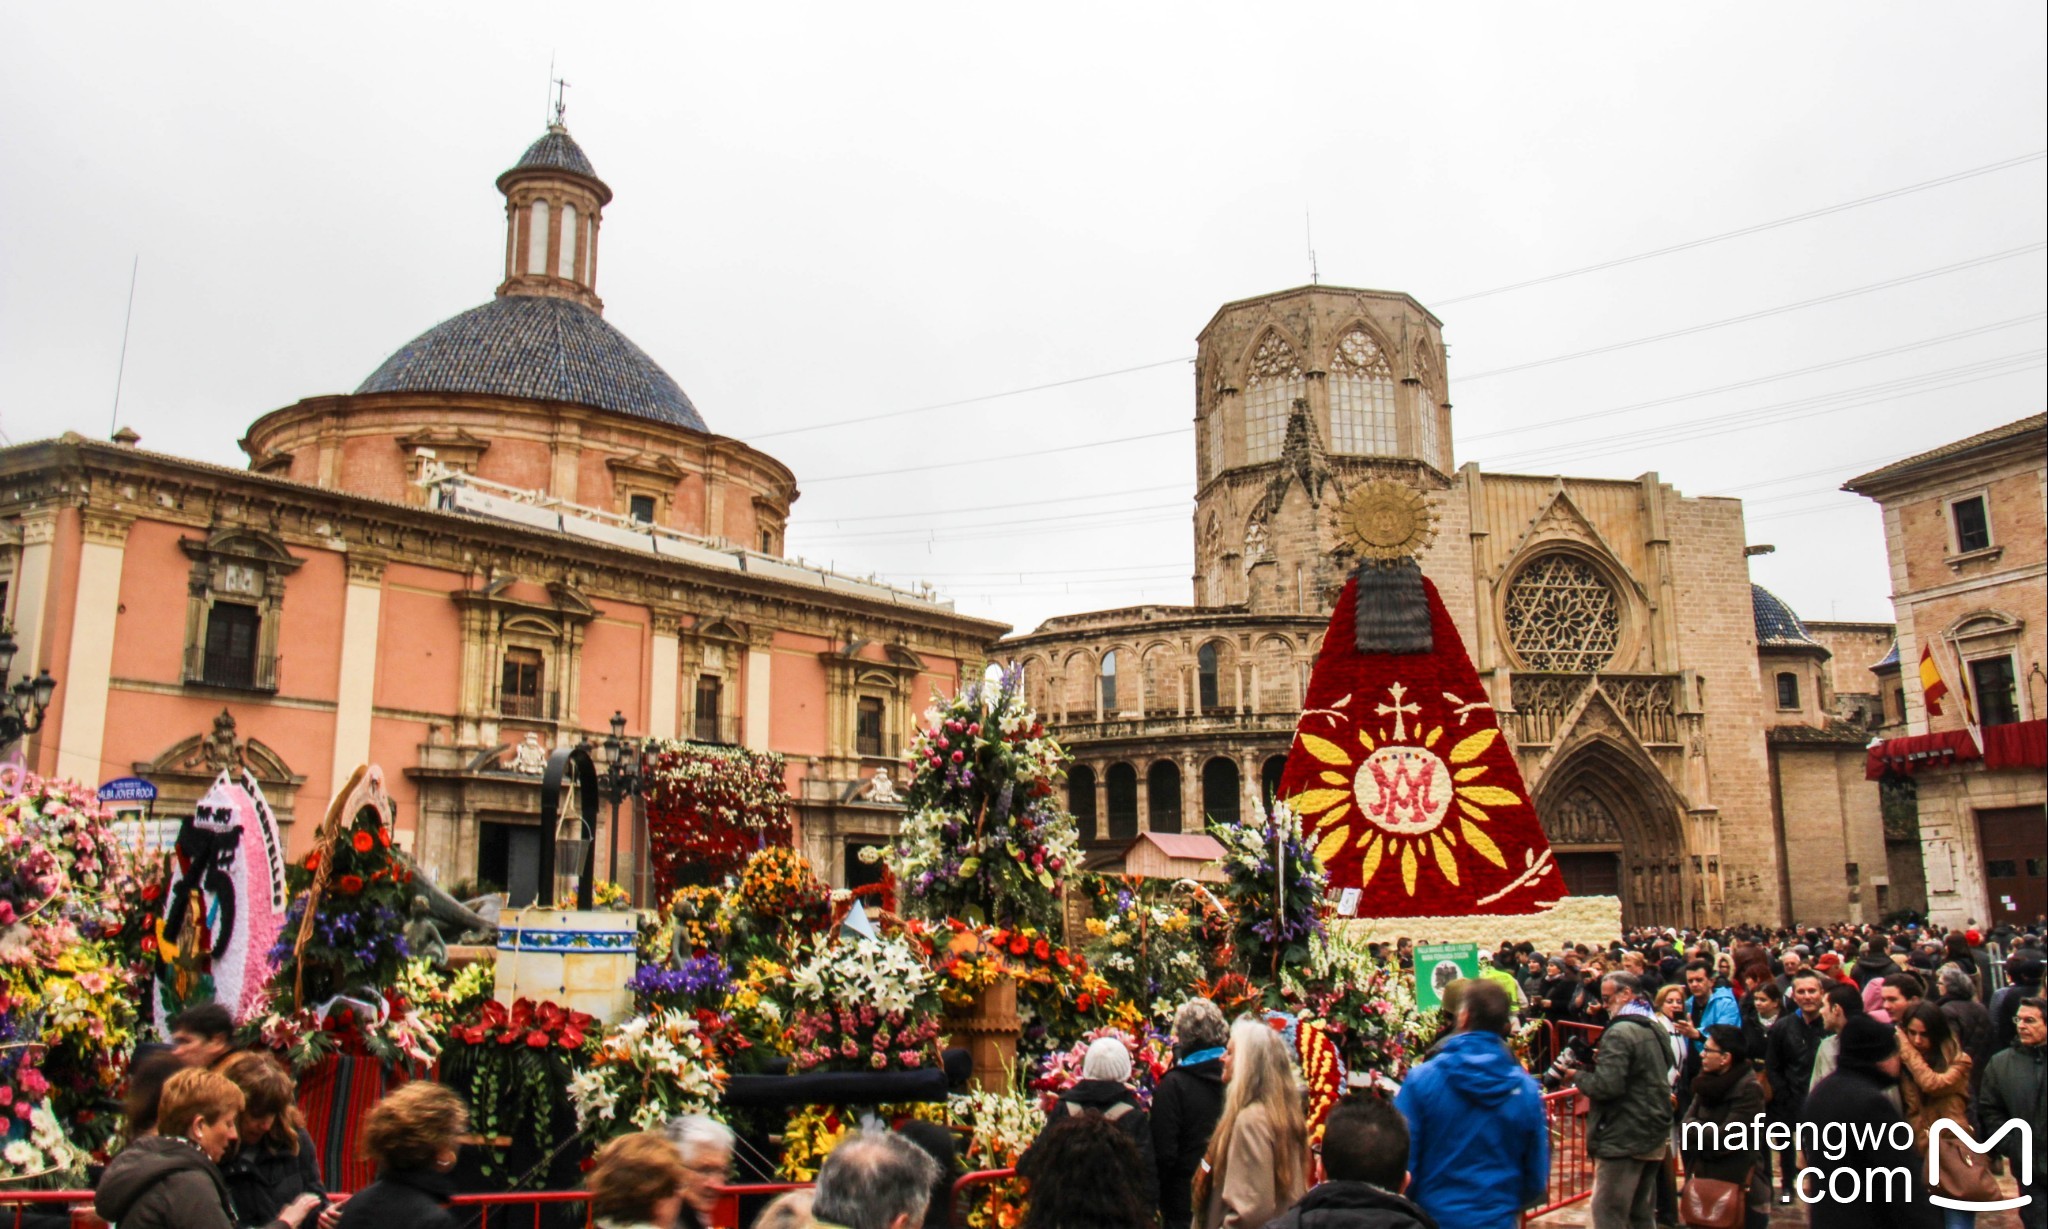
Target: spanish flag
1932	688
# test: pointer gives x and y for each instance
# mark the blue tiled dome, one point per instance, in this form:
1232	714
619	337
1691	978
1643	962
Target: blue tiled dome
1776	626
538	348
557	151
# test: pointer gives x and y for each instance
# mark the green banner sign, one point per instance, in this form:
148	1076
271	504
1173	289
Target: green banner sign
1438	965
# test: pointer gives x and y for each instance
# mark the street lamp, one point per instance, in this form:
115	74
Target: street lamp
28	701
623	777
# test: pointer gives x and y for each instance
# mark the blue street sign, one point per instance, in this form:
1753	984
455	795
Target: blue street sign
127	789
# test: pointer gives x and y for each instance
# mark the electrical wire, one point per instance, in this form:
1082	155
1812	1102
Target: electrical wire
1007	456
918	532
1027	503
1887	352
1809	215
1722	424
1839	295
947	405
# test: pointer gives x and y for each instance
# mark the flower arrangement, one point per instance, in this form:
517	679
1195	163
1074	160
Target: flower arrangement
710	807
866	1005
1148	947
815	1130
698	984
1276	909
1322	1071
1368	1007
514	1066
1061	1070
754	1014
984	837
777	902
1001	1126
648	1070
68	1010
696	918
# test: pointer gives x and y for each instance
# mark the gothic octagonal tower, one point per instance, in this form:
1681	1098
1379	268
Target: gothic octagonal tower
537	390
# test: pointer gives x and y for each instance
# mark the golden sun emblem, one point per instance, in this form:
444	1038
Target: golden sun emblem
1408	804
1385	520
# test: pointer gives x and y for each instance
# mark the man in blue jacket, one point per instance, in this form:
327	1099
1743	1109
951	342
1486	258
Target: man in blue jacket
1478	1149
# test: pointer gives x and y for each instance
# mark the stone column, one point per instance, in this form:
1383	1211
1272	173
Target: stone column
362	607
90	668
759	664
32	589
664	674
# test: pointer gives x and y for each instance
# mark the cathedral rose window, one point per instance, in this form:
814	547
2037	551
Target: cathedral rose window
1563	616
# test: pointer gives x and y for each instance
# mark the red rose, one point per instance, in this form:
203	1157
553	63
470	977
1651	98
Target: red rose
313	861
1061	958
364	842
351	884
150	891
383	838
1042	950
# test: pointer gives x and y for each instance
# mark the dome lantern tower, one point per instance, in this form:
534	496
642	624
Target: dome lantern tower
554	203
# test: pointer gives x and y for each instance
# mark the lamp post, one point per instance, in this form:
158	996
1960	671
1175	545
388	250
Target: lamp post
624	776
27	701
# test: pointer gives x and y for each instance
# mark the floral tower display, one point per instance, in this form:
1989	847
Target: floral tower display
709	809
986	842
1409	793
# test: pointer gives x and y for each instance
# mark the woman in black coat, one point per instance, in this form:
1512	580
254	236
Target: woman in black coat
1186	1105
273	1162
412	1135
1726	1091
1855	1096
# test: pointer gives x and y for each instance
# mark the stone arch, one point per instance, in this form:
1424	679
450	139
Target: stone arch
1077	685
1121	787
1222	789
1037	684
1160	666
1162	797
1215	660
1641	841
1269	777
1081	800
1249	355
1278	669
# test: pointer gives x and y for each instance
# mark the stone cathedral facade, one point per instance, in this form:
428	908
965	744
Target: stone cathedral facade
1613	623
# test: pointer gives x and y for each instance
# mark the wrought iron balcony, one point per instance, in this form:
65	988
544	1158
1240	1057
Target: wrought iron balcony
546	706
242	672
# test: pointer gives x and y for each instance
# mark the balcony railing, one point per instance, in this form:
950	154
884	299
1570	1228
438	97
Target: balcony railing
886	747
1219	721
543	707
239	671
719	728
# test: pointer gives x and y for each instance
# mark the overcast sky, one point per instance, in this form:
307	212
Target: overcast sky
836	211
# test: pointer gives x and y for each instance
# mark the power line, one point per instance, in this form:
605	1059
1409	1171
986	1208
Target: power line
1027	503
947	405
1809	215
1008	456
1752	383
1747	419
918	533
1780	310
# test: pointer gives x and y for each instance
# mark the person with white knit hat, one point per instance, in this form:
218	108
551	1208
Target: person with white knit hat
1104	1089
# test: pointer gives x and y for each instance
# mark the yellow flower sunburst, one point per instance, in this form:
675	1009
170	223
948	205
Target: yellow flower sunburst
1407	805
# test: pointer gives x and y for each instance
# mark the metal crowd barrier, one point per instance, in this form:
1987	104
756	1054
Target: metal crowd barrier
1571	1170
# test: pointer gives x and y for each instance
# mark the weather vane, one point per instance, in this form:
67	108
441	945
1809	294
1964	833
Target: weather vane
560	104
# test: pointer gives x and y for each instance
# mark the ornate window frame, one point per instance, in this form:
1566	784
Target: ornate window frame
851	678
648	474
495	620
1628	601
715	648
245	566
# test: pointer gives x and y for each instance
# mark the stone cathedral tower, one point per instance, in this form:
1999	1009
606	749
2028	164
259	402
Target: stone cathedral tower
1300	395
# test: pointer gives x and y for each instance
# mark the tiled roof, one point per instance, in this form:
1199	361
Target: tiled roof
1982	439
1776	626
538	348
1891	658
557	151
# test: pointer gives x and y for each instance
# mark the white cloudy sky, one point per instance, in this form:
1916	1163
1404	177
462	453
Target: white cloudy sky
828	212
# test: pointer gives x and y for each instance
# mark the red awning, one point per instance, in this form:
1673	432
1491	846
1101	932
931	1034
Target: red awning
2023	744
2020	745
1908	755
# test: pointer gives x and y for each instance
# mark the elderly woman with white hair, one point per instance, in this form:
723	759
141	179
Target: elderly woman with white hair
706	1146
1186	1105
1105	1091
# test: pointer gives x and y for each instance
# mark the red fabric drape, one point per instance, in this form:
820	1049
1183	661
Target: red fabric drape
2023	744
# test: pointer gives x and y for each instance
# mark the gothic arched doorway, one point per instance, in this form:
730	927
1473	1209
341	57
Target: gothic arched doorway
1613	826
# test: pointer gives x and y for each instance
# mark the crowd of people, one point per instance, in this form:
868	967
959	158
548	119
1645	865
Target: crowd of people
1708	1066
